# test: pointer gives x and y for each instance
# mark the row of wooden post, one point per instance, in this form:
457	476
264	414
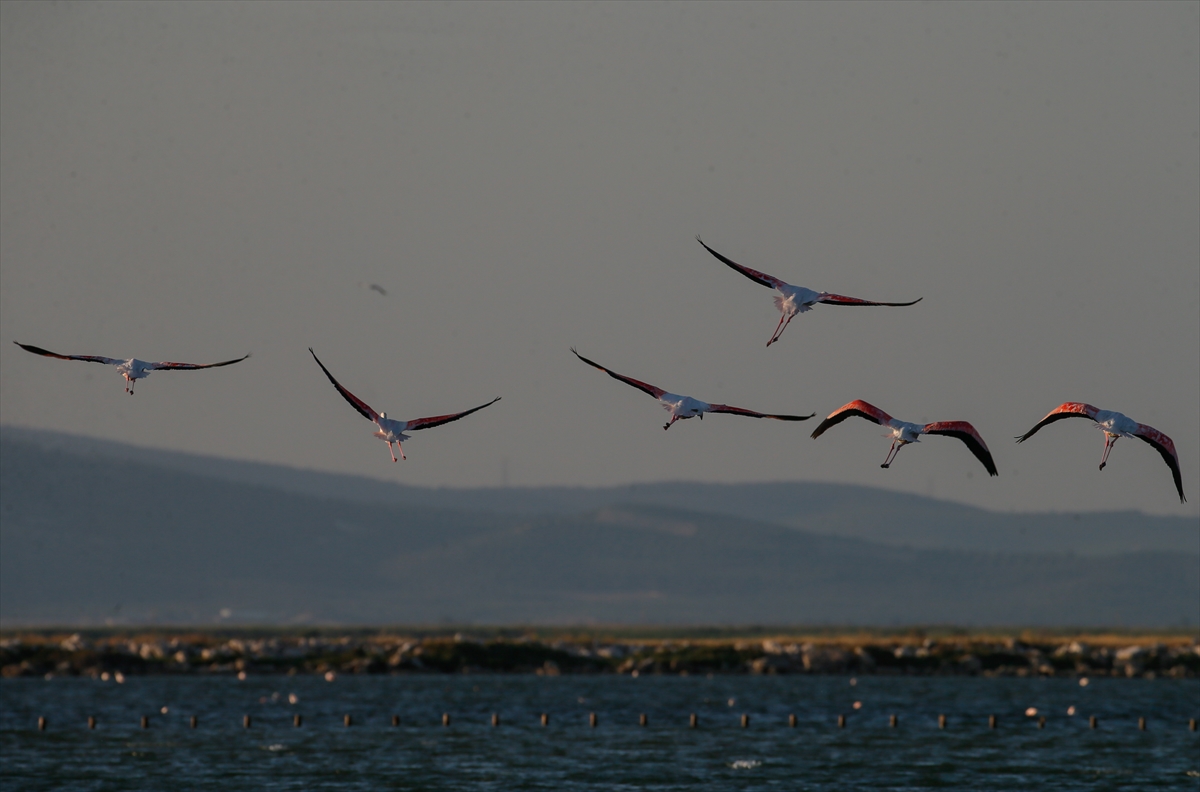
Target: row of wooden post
593	721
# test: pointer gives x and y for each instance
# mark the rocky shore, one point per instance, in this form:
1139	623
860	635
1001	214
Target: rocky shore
116	655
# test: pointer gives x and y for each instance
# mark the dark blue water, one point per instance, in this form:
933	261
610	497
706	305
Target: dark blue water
617	754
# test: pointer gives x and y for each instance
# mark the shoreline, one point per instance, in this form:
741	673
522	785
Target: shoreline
115	653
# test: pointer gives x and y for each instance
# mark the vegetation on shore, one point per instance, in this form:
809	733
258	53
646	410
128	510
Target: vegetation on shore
114	653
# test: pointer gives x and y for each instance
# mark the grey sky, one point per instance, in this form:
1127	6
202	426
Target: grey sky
196	181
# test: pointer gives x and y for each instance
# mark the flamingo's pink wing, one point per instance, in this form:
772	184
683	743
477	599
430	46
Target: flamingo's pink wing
168	366
858	408
438	420
761	278
642	386
1166	448
355	402
1064	410
725	408
88	358
965	432
840	299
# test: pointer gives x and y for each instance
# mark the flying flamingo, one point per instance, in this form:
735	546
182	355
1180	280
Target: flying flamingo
792	300
391	430
1116	425
131	369
904	432
684	407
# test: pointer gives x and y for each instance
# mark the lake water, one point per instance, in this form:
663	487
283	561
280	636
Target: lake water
617	754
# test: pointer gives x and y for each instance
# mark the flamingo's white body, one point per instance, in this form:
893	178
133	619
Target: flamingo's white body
903	433
684	407
1116	425
793	300
131	369
389	429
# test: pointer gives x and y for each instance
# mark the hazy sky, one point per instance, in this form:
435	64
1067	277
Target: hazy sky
193	181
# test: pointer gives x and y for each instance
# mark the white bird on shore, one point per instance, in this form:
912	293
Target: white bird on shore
1116	425
131	369
792	300
391	430
684	407
903	432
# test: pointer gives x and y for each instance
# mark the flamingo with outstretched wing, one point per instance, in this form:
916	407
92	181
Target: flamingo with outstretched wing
131	369
904	433
793	300
1116	425
389	429
684	407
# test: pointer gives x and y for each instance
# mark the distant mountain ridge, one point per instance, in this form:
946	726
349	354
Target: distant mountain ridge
877	515
95	532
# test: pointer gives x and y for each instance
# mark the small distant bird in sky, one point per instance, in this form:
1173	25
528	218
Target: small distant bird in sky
792	300
378	288
131	369
391	430
903	432
1115	425
684	407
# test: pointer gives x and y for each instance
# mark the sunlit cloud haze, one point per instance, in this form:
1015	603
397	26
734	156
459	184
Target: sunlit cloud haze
196	181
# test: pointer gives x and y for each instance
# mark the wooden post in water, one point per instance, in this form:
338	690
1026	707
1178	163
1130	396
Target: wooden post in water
893	721
745	720
445	718
347	720
245	721
1191	724
42	723
693	721
841	721
91	721
792	720
545	718
193	722
941	721
991	721
1041	721
642	719
1093	722
592	719
145	721
395	720
297	720
495	718
1141	724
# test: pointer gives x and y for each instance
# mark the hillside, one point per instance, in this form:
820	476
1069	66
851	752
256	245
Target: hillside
90	536
876	515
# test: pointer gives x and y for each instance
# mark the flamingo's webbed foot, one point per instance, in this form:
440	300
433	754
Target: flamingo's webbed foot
1102	464
885	465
